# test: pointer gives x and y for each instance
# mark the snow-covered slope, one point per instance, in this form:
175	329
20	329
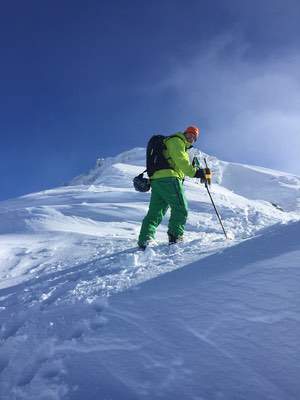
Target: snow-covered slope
70	331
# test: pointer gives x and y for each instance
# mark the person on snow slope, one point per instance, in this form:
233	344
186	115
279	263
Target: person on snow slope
167	188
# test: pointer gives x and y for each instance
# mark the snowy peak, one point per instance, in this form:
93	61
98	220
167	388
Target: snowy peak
252	182
134	157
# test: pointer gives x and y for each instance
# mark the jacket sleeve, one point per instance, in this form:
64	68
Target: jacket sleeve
179	156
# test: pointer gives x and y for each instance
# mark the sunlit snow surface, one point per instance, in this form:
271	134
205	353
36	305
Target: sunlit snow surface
224	327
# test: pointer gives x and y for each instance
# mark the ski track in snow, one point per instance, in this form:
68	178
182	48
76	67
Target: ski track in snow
65	251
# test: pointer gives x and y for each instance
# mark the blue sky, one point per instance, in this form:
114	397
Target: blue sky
82	79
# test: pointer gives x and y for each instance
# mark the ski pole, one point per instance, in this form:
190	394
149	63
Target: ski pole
213	203
196	163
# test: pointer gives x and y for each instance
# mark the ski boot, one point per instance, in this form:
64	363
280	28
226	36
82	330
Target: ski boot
175	239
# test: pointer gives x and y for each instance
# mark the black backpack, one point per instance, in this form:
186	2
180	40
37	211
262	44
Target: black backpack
155	161
154	155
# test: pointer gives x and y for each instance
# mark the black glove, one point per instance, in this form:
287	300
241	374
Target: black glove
200	174
204	175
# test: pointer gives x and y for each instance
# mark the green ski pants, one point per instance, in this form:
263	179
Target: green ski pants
165	193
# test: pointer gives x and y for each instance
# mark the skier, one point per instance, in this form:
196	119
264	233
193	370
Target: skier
167	188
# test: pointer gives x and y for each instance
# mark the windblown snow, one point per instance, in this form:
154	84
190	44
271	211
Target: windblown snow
86	316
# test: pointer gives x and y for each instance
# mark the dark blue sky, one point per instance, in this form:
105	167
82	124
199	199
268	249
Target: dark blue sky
81	79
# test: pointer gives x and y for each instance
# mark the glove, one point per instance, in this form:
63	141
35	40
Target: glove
200	174
204	175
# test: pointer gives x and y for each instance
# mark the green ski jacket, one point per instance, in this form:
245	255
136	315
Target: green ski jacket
178	158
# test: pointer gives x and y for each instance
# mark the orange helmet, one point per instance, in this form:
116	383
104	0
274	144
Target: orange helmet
193	130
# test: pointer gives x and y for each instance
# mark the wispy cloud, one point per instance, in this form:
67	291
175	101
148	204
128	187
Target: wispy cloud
249	108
